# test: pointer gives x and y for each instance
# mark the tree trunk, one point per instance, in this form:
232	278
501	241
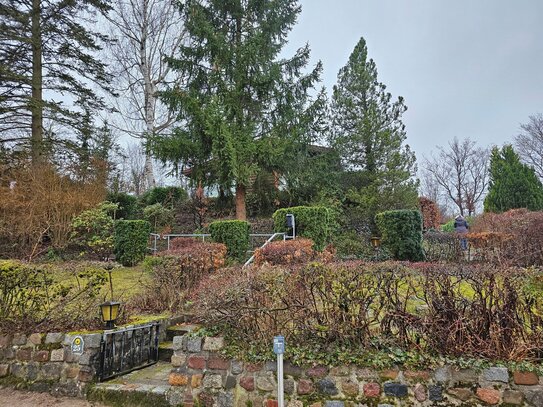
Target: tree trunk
36	102
241	210
148	173
149	95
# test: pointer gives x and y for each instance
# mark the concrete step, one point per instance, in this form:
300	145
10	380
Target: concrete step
145	387
165	351
180	330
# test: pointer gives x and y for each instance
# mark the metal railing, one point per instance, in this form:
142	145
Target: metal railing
272	237
194	235
155	237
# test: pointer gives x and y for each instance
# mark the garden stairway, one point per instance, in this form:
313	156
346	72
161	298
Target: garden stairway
148	386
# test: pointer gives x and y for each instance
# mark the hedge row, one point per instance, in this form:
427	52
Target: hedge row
234	234
313	222
131	239
401	233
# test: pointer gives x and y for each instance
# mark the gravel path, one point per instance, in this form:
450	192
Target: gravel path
19	398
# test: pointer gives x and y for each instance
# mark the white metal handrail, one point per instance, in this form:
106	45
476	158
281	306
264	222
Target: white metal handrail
251	259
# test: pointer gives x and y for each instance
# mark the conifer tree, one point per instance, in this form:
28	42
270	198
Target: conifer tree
512	184
243	107
369	134
47	61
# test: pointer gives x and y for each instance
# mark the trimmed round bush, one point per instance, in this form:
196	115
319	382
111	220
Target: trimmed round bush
131	240
401	233
234	234
313	222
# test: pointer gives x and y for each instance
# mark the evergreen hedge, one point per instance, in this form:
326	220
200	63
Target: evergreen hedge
313	222
401	233
234	234
131	240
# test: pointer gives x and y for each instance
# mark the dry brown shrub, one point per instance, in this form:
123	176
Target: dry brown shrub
290	252
175	273
431	216
455	310
37	207
514	237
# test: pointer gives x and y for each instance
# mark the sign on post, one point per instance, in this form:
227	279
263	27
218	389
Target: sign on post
279	345
279	349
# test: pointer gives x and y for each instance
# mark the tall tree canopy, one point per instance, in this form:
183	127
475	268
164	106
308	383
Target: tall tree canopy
47	59
243	107
369	134
512	183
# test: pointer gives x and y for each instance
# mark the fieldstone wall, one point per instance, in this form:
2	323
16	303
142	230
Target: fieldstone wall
45	362
200	373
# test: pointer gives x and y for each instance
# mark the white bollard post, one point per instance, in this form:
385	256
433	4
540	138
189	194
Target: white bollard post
279	349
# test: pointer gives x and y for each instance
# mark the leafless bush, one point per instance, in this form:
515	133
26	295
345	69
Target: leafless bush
457	310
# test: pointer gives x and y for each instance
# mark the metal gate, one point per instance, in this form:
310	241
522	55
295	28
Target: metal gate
128	349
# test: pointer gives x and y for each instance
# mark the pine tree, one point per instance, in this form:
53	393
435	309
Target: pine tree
243	107
369	134
46	64
512	183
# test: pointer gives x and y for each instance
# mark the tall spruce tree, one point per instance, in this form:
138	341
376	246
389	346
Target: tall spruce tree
369	134
47	61
243	107
512	184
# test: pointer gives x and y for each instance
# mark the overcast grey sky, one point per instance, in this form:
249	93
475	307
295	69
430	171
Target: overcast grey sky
467	68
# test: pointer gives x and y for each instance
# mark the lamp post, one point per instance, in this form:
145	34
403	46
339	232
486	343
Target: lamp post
375	242
109	312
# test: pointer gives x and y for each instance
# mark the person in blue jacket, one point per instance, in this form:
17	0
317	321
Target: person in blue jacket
461	227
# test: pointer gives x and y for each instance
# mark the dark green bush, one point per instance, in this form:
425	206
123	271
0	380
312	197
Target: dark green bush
234	234
169	197
127	205
401	233
313	222
131	240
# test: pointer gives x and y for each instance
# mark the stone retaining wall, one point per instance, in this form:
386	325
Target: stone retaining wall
45	362
200	373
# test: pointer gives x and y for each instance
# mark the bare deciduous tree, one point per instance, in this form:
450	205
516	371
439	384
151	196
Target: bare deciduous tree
146	31
529	143
461	172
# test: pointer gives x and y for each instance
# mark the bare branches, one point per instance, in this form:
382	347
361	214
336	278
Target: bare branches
460	174
529	143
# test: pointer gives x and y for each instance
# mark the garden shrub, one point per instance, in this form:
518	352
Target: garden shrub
158	217
36	212
430	213
93	231
175	272
31	298
170	197
289	252
350	246
357	309
440	246
131	241
234	234
401	233
127	205
514	237
313	222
